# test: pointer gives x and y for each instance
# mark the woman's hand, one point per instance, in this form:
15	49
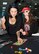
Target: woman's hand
20	40
21	30
25	33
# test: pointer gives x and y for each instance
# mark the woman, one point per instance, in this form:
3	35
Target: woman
12	23
30	24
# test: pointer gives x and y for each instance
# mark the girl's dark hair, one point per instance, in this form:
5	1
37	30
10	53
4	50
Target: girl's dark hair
12	5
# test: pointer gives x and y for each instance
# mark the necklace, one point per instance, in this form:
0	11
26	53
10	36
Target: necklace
12	21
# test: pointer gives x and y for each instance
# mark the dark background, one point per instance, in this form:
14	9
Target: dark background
33	4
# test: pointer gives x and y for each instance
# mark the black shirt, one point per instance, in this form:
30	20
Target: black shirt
33	26
12	29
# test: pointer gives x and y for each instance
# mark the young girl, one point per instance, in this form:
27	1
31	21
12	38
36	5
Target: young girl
30	24
12	23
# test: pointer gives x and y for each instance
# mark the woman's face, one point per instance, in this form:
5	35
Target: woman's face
26	12
13	12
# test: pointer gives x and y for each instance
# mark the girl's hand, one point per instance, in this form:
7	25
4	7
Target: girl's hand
25	33
20	40
21	30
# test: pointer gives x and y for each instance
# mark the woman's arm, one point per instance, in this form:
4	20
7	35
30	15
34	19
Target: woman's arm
18	37
3	23
18	34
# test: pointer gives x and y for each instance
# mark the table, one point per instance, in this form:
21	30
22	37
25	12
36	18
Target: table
32	43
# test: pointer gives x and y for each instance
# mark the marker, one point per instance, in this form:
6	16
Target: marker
26	49
19	52
21	49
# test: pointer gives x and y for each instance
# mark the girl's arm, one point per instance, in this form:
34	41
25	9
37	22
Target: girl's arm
3	23
18	37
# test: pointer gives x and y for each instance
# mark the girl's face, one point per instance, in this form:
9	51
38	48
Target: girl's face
26	12
13	12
